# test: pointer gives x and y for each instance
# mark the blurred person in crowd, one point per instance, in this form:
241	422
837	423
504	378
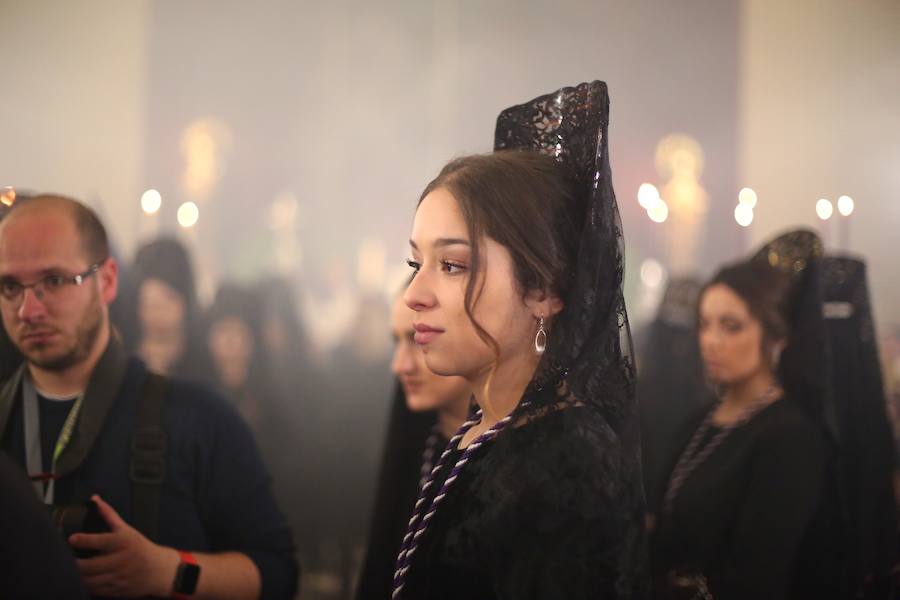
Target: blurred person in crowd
867	461
351	414
286	343
297	390
10	358
745	484
169	466
169	340
517	289
427	410
670	384
235	344
34	560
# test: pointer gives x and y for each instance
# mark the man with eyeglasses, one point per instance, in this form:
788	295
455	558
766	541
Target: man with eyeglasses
71	413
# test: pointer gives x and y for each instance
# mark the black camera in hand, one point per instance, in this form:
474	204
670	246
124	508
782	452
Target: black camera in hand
77	518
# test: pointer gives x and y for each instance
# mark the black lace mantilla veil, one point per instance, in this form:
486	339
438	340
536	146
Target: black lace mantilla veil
805	360
589	347
866	458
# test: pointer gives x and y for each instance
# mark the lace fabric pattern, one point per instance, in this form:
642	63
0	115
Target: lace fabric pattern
590	345
552	506
799	253
865	455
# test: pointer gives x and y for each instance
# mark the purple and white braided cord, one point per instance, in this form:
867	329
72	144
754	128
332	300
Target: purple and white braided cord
428	455
422	515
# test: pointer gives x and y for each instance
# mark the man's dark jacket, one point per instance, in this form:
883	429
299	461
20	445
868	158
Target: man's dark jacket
216	495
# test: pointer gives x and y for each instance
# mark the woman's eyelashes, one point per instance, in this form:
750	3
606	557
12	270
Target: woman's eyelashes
452	268
447	266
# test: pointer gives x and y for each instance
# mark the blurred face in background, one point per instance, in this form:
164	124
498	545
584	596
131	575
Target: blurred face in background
731	338
160	307
424	390
231	346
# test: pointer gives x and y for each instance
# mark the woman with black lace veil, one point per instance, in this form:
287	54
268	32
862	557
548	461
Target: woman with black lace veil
865	462
745	485
670	384
518	262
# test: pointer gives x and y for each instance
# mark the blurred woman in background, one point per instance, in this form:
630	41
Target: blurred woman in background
746	483
428	409
169	321
234	339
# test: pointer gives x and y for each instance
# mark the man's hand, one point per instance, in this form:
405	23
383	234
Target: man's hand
129	565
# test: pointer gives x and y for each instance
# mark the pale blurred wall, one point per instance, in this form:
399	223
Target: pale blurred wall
820	117
72	102
351	108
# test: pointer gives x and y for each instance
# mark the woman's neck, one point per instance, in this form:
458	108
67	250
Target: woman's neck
742	394
452	415
498	393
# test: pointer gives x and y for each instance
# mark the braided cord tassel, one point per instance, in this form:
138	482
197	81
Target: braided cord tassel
421	516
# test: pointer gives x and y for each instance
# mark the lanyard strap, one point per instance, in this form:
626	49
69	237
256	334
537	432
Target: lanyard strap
33	456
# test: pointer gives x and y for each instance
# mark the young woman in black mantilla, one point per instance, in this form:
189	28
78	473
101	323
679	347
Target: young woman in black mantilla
746	485
518	289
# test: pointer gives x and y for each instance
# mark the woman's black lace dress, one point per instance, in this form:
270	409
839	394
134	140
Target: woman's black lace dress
545	511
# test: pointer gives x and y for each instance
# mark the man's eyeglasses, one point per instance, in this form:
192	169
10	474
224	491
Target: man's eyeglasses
47	288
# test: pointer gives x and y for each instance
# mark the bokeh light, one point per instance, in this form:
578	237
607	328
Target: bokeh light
747	197
188	214
846	205
659	213
151	201
652	273
743	214
824	209
648	196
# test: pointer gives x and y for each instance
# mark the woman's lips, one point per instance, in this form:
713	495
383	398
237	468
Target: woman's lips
425	334
411	386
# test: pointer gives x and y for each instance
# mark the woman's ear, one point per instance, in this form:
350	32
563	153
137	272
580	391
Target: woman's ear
542	303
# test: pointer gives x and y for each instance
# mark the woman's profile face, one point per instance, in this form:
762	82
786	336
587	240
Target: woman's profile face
441	251
423	389
730	336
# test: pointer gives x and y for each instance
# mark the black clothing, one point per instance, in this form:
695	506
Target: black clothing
866	462
35	563
533	515
398	486
739	518
216	493
554	507
53	414
397	489
798	254
670	385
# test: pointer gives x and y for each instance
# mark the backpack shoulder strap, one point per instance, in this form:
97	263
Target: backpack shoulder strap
147	470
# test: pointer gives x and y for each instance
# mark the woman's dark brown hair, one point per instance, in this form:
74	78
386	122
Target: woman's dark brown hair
768	293
528	203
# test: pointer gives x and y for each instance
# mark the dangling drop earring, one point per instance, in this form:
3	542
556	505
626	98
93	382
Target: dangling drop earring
776	358
540	340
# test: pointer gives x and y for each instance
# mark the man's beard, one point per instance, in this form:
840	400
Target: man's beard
85	337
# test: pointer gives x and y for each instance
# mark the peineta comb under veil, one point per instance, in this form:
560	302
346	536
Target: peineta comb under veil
589	348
